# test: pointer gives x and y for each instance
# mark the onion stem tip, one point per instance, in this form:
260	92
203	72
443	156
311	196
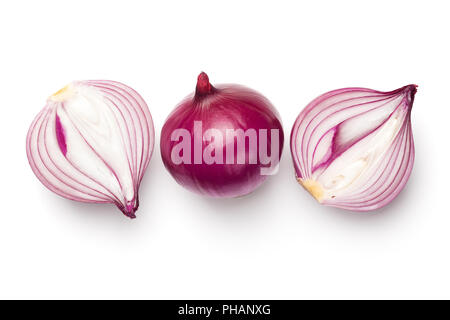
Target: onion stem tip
203	84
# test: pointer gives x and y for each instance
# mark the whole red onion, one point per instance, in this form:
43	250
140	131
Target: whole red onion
222	141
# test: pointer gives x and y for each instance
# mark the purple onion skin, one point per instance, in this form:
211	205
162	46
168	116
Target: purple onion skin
221	107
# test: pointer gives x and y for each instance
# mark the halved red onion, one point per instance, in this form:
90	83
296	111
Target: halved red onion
92	143
222	141
353	148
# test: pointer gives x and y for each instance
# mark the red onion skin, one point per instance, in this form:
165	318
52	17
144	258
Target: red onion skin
374	198
220	107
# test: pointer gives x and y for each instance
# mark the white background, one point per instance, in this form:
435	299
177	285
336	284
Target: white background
277	243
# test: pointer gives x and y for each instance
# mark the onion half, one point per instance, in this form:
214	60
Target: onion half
92	142
353	148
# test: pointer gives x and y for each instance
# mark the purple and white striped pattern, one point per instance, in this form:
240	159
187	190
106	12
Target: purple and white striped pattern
361	132
92	142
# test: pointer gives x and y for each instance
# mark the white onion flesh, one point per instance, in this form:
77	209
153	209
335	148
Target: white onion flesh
353	148
92	143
